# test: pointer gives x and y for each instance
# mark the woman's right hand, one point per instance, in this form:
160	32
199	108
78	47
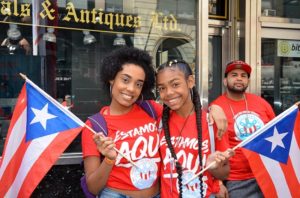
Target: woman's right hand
105	146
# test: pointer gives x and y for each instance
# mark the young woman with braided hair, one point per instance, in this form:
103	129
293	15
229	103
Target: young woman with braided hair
184	138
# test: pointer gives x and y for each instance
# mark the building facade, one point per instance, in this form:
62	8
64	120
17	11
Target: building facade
59	45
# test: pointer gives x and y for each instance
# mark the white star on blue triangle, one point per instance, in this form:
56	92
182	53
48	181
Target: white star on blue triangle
275	142
44	117
41	116
276	139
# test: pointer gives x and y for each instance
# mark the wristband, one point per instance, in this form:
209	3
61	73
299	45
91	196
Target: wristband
109	161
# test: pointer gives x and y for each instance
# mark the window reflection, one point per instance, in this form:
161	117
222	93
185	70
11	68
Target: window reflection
280	74
85	31
214	67
179	8
281	8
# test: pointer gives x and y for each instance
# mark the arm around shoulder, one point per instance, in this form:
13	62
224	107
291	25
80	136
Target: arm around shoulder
218	116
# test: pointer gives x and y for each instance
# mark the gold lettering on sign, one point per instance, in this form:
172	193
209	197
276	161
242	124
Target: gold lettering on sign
128	21
94	16
109	20
25	10
120	20
137	22
101	16
71	12
155	20
164	22
5	8
84	16
16	8
173	23
46	12
93	12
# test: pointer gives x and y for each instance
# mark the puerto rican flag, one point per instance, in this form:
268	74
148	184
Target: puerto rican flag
274	155
40	130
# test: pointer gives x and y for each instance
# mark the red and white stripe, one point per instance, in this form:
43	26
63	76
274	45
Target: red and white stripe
277	179
24	164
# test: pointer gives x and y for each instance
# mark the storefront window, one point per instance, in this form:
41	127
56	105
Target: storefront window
218	9
59	45
240	32
179	8
215	63
280	72
114	6
281	8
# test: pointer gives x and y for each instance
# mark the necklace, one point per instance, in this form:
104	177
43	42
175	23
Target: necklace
234	115
185	122
231	109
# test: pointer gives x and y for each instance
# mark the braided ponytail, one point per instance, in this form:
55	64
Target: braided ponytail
165	121
198	107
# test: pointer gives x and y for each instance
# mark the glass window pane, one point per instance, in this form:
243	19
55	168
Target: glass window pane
280	73
62	51
281	8
215	67
179	8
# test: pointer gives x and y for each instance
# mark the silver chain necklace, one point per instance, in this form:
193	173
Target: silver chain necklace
233	114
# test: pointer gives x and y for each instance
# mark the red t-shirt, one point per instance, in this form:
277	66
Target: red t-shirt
186	149
135	135
242	122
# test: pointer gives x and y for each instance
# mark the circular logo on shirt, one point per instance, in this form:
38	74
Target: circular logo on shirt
145	174
246	123
192	189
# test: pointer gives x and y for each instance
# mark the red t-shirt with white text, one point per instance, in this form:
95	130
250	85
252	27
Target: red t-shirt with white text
186	149
135	134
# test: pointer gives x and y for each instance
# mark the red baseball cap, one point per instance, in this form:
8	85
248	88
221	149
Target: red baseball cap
237	64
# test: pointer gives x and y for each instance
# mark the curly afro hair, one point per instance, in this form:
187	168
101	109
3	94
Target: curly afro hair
113	63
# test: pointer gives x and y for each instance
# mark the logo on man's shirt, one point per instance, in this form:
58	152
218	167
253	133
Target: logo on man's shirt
246	123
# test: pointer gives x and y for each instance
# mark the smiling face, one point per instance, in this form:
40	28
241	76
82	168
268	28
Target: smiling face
174	88
236	81
126	87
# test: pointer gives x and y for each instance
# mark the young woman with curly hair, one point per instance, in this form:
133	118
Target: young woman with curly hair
127	74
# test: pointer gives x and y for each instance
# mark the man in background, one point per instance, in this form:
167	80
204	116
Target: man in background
246	113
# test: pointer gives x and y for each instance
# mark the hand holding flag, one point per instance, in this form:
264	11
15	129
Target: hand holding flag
40	130
275	155
61	108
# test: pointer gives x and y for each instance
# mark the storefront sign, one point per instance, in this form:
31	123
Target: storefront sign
107	20
288	48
